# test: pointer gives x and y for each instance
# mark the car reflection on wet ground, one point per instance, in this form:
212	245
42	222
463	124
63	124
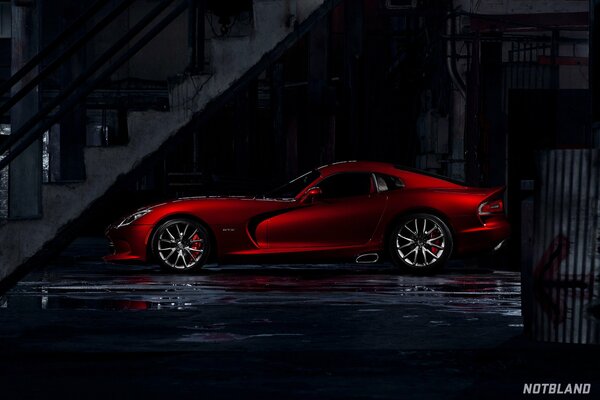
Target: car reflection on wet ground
454	299
98	286
277	331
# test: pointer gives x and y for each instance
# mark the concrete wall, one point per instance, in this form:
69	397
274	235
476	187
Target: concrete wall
230	57
163	57
167	54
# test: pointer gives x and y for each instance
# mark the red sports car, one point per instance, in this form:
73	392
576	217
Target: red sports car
363	211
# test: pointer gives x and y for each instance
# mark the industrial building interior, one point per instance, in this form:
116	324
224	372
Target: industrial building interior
110	105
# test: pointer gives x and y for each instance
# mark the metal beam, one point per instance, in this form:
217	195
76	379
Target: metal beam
576	21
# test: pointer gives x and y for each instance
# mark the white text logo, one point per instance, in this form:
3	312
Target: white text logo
556	388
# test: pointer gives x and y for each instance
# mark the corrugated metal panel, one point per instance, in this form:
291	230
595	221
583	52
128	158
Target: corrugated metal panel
561	284
5	20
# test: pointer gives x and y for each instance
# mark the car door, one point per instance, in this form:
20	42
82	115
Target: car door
345	214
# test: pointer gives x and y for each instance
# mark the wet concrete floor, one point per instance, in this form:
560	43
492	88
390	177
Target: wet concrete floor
276	331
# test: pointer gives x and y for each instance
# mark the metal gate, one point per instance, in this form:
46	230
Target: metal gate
560	289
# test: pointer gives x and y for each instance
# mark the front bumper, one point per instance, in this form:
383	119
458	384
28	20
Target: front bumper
128	243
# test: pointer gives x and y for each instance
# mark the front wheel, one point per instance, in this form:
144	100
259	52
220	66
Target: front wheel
420	243
181	245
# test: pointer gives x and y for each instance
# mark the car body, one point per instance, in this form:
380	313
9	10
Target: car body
346	210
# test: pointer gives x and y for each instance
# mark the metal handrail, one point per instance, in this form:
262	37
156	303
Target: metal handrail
26	135
46	51
79	43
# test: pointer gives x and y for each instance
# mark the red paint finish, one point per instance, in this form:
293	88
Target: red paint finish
321	227
331	222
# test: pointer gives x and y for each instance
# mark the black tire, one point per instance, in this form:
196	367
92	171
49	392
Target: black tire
420	244
181	245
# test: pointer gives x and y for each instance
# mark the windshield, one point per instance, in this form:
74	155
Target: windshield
292	188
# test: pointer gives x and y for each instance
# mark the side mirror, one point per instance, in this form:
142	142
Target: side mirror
312	194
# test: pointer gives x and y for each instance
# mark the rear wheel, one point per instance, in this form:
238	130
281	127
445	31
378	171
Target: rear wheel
420	243
181	245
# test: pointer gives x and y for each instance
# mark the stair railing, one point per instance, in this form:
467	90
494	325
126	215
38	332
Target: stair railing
85	83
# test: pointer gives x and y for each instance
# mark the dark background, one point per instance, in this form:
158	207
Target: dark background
469	90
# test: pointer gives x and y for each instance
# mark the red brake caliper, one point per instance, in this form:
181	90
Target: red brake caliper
196	245
433	249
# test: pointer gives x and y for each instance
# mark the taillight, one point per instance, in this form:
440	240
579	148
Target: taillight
491	207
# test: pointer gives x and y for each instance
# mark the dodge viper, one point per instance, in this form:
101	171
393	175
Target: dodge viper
360	211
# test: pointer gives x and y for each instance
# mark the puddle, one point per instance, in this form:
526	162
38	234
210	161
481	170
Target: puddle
439	323
104	289
227	337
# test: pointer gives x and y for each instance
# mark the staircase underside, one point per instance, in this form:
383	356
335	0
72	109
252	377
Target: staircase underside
194	99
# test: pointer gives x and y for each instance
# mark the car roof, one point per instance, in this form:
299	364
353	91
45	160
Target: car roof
410	176
356	166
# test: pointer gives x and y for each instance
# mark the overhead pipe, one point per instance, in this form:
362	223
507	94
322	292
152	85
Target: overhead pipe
451	49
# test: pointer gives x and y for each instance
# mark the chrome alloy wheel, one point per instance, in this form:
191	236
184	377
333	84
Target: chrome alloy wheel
420	242
181	245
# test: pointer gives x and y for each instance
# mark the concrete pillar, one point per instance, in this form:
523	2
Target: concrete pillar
241	135
196	35
318	74
493	121
456	140
73	125
472	156
291	136
353	54
25	179
277	113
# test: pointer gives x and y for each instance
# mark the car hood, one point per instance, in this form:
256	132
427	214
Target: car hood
229	198
216	209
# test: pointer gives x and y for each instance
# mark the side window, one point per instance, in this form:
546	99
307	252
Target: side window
387	182
346	185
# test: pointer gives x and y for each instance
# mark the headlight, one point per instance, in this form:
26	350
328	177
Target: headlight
133	217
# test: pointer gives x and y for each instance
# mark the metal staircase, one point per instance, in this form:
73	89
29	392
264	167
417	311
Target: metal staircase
194	95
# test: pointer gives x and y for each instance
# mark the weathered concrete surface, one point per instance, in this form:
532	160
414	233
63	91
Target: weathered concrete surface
286	331
148	130
231	57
